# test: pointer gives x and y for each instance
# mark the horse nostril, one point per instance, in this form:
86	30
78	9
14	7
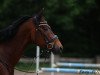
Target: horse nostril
61	48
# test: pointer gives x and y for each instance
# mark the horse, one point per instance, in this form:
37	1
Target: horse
26	30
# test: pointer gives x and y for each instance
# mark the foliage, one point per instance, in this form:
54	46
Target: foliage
75	21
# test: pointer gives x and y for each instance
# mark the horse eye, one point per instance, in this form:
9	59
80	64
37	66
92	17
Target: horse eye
45	29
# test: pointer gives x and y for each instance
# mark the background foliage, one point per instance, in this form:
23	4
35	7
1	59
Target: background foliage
75	21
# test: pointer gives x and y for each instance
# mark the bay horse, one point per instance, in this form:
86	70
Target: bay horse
26	30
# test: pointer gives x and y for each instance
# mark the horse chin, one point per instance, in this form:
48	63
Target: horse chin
56	51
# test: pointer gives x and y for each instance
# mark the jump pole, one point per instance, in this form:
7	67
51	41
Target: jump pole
37	58
78	65
52	62
72	71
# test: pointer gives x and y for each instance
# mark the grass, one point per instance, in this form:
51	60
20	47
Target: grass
29	66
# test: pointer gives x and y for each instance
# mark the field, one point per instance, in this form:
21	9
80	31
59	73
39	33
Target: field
24	65
23	73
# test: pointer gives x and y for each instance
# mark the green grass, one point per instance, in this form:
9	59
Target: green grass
30	66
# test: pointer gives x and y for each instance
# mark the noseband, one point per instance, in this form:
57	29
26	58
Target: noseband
50	45
49	42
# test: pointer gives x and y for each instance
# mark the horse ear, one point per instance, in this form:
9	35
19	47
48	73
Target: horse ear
40	14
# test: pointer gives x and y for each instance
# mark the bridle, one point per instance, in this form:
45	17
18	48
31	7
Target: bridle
49	42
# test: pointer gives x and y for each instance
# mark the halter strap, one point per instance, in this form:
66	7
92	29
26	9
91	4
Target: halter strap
50	41
47	40
38	24
44	24
50	45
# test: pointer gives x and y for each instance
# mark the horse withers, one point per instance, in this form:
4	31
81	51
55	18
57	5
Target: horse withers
22	32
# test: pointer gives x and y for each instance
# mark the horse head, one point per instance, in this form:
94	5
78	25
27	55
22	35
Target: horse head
44	36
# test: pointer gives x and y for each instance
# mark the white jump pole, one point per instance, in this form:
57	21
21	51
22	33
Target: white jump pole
37	58
52	62
78	65
72	71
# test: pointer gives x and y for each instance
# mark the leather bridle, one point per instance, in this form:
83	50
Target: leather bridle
49	42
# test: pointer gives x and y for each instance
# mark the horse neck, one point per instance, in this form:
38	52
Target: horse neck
14	48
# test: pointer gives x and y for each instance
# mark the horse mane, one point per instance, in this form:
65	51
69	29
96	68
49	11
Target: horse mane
10	31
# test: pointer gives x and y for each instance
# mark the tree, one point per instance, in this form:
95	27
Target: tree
77	19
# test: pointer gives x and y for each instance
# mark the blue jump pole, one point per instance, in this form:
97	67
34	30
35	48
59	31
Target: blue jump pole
74	71
78	65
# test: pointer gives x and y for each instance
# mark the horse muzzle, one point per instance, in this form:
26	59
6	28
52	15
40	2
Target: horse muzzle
57	49
55	45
